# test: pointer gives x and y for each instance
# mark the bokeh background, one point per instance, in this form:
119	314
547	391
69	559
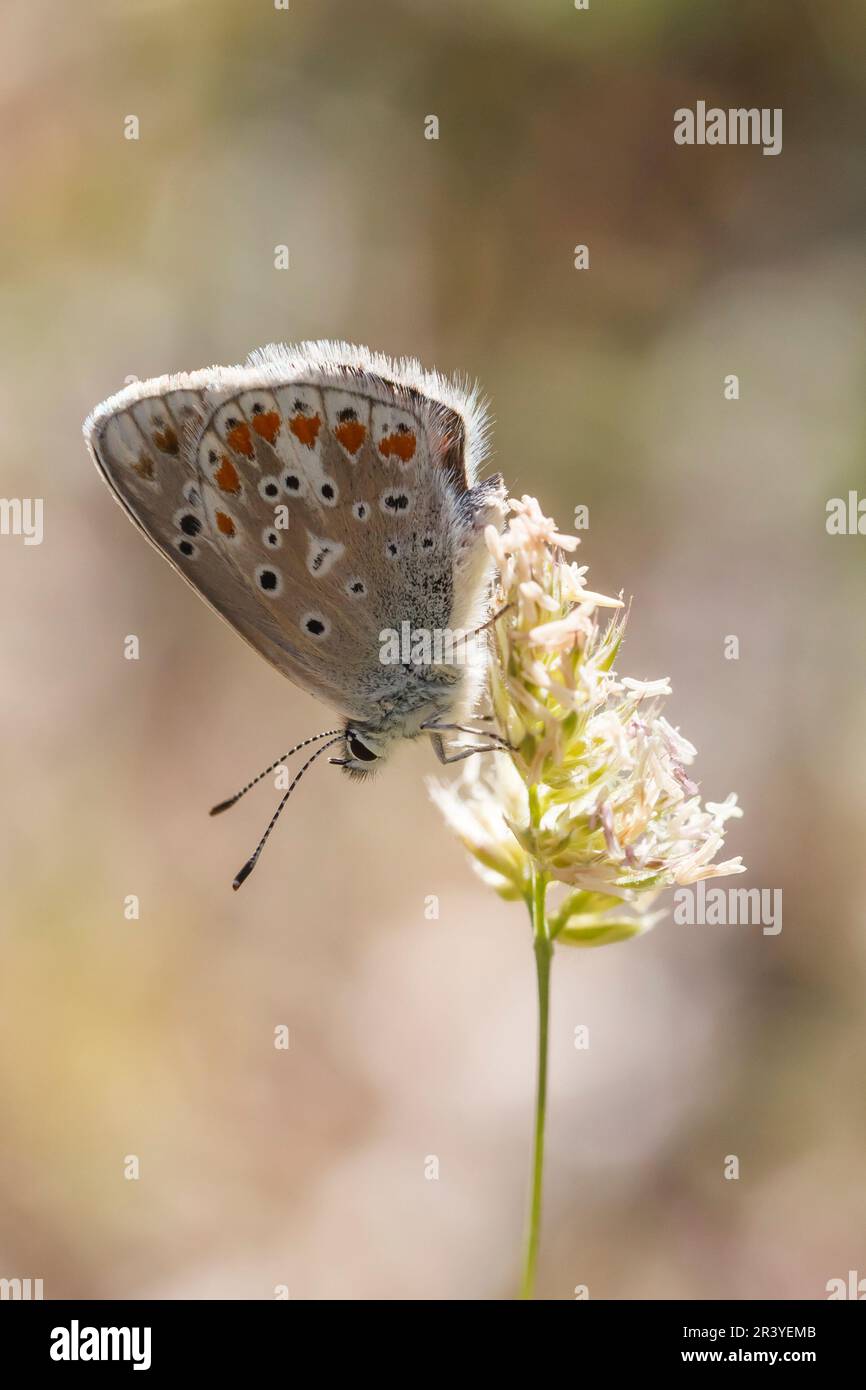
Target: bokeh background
412	1037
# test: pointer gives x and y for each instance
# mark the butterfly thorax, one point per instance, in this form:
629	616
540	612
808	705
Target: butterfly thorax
426	699
422	695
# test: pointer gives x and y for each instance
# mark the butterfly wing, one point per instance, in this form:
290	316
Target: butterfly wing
314	498
143	443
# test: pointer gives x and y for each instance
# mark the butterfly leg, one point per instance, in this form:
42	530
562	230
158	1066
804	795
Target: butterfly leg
433	727
445	757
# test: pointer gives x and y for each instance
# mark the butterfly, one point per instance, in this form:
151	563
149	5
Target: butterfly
317	497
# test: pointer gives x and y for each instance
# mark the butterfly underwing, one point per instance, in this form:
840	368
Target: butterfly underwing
317	497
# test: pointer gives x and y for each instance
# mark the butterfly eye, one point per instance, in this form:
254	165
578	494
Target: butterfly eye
360	750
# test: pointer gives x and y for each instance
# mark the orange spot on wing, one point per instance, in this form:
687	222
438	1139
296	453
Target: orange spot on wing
351	435
305	428
166	440
144	467
227	478
267	425
239	440
225	525
403	445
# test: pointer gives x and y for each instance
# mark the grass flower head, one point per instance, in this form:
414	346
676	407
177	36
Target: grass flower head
595	792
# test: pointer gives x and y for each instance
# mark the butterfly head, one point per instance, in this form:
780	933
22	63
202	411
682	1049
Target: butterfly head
366	751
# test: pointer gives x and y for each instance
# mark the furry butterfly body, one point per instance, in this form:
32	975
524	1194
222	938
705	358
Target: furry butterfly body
315	497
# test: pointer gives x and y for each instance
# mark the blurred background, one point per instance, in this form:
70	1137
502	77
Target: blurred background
411	1037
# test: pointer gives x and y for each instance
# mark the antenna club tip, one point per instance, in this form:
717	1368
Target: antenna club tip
223	806
243	874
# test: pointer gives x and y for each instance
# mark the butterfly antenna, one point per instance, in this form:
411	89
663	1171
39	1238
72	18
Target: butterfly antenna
305	743
490	621
247	869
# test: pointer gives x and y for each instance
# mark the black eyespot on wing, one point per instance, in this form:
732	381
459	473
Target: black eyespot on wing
396	501
291	482
190	524
269	580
